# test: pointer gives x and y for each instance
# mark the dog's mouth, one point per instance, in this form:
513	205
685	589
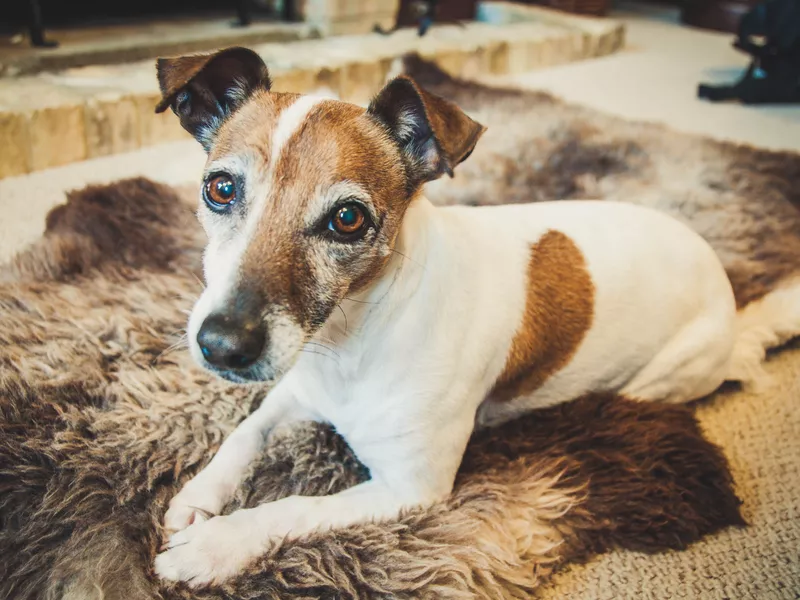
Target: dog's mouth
250	375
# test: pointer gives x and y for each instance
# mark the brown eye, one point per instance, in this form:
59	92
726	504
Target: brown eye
347	219
220	191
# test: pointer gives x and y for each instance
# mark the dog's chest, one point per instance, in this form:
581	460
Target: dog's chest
336	383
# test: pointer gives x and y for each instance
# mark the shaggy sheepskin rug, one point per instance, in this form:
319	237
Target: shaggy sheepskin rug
103	415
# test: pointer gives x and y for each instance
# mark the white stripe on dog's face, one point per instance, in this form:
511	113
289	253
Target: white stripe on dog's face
289	122
243	166
223	261
295	160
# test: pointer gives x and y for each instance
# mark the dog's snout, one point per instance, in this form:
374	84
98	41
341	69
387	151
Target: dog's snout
230	343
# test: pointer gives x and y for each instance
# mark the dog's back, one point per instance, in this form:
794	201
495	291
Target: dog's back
605	296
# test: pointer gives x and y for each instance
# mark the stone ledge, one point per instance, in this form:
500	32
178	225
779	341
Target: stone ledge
55	119
121	44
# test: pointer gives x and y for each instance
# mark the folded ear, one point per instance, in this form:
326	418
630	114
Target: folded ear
433	133
203	90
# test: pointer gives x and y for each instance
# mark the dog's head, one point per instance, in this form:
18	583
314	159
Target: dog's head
302	199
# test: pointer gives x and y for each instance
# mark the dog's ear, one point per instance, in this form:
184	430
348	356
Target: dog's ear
205	89
433	133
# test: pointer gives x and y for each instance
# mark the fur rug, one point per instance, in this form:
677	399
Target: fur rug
103	416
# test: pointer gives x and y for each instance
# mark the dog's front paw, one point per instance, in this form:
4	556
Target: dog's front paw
181	515
208	552
198	501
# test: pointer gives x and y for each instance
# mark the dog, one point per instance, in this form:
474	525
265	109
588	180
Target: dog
402	324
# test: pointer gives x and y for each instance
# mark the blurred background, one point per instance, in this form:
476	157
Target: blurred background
78	86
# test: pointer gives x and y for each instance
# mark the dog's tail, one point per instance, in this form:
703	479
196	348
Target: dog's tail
761	325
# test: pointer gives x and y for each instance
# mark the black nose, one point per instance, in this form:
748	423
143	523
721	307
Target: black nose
230	343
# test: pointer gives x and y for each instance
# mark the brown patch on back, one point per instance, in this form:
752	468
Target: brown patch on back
558	312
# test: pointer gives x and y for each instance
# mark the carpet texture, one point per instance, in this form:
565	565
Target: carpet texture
102	419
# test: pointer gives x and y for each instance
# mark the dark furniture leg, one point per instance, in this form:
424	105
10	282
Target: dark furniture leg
243	14
289	11
718	15
37	28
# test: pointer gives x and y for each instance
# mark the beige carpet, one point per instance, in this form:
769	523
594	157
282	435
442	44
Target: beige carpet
760	434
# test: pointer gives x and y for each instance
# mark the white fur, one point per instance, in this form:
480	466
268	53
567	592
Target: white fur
290	120
418	351
762	325
215	485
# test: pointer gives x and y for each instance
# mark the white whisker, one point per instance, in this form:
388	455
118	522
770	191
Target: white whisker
308	351
318	344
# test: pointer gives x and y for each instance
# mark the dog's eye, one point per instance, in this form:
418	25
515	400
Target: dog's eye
347	220
219	192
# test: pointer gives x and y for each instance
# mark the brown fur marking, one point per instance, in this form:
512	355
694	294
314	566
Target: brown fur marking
407	135
338	142
558	312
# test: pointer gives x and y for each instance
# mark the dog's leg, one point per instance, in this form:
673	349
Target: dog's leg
691	365
218	549
418	471
210	490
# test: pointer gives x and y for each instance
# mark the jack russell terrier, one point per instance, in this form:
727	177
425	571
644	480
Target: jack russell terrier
402	324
